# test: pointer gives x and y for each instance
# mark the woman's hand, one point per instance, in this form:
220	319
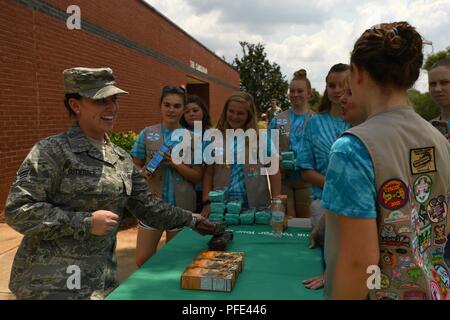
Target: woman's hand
103	222
206	211
168	159
315	283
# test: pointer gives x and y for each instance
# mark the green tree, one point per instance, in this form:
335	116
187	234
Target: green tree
262	79
432	58
423	104
314	101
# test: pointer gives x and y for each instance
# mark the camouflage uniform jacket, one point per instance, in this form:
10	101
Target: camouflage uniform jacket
61	182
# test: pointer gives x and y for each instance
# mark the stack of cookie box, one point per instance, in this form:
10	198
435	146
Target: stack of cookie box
213	271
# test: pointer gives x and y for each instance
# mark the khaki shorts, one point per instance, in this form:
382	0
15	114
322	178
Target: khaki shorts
298	193
316	212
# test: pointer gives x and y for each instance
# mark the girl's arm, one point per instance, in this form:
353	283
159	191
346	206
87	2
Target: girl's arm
313	177
275	184
352	246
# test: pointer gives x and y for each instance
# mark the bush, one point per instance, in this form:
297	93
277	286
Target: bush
125	140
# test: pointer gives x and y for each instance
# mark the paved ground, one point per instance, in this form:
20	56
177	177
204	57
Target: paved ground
10	240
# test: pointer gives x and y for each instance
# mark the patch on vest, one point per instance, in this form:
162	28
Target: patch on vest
439	235
422	188
390	238
437	209
393	194
282	122
437	287
386	295
396	216
422	160
153	136
415	295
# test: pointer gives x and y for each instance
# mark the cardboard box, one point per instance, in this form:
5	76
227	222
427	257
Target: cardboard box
235	257
197	278
216	264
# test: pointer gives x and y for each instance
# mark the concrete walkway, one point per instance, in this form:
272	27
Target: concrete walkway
10	240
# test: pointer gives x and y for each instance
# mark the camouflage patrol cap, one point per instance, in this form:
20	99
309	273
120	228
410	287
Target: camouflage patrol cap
94	83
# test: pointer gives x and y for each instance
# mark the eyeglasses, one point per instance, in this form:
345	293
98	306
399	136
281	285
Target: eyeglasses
173	89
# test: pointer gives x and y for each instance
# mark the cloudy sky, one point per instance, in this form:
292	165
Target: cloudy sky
307	34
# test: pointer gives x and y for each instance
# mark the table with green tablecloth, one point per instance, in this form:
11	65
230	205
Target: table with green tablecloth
274	267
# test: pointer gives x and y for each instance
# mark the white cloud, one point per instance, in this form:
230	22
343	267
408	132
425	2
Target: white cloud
312	35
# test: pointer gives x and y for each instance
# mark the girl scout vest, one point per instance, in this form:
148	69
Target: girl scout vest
283	123
412	174
258	194
184	190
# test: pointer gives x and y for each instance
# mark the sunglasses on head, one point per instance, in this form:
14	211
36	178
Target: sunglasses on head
173	89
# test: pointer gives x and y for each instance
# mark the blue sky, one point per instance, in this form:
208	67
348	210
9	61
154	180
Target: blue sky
297	34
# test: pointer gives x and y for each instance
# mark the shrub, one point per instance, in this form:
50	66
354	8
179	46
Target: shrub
125	140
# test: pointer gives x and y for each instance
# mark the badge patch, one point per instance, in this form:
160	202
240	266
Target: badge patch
437	209
282	121
408	286
153	136
405	262
422	160
388	258
393	194
396	241
424	219
422	188
396	274
439	234
425	238
404	229
438	288
415	274
385	281
442	271
396	216
415	295
401	251
386	295
437	255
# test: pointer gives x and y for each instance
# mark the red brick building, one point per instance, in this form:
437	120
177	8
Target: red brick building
145	50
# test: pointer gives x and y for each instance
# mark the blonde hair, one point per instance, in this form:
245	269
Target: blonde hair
247	100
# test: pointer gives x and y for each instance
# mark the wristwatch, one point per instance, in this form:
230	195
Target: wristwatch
206	202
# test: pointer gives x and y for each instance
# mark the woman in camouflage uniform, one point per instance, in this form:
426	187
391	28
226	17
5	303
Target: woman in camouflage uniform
70	194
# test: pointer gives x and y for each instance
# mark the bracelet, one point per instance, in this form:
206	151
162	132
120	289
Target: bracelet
206	202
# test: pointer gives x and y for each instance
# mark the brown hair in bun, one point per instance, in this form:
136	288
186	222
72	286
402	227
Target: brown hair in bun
391	53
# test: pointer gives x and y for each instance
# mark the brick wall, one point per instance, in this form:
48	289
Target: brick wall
144	49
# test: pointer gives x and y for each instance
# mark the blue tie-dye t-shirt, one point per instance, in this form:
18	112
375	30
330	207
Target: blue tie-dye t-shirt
297	122
350	180
237	188
320	133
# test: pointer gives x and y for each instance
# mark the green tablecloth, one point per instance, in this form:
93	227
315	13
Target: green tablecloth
273	269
